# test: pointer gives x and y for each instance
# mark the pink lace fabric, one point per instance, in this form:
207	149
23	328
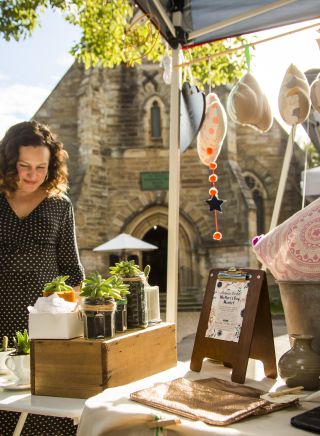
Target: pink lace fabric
291	251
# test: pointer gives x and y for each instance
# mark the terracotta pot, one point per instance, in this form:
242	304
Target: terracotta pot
300	366
66	295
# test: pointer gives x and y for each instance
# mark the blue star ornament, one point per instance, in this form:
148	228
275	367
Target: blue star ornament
215	203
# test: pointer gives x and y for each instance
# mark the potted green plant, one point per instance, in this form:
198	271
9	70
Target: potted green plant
4	352
58	286
132	275
98	305
121	323
18	361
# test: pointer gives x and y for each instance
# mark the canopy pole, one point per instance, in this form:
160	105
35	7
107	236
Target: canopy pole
237	19
283	178
174	191
165	17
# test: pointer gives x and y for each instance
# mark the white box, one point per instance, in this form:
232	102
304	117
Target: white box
55	325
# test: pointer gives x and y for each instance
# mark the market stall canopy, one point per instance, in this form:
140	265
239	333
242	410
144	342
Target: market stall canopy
204	21
125	242
186	23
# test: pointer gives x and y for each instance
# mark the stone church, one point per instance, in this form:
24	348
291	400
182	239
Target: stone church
115	127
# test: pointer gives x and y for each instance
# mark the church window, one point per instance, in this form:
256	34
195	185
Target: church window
257	198
155	120
258	195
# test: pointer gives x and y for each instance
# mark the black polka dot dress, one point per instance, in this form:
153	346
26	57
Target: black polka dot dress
33	251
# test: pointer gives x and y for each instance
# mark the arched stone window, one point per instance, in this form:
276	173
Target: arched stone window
155	120
259	195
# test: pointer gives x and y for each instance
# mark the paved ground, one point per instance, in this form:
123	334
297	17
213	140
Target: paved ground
187	326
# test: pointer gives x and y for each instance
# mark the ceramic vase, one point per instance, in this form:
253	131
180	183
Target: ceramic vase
300	366
306	295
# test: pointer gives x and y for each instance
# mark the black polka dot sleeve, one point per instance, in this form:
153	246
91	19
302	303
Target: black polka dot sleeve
67	250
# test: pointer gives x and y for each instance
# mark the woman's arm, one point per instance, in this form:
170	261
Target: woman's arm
67	249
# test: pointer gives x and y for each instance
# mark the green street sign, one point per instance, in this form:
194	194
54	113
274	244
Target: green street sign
154	181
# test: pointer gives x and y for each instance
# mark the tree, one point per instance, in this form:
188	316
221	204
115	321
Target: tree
109	38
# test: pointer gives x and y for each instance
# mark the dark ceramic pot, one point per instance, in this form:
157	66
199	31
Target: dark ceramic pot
137	303
121	316
300	366
99	318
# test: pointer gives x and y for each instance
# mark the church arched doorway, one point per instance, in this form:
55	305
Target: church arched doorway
157	259
145	226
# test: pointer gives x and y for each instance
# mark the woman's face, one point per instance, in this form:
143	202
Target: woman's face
32	167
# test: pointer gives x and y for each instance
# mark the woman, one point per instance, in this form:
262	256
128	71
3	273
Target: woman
37	239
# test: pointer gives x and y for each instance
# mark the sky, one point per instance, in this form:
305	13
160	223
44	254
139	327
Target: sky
30	69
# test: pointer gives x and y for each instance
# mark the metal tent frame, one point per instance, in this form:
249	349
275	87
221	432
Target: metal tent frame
185	23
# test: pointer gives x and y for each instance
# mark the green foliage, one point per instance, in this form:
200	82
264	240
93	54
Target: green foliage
313	155
22	342
221	69
95	286
57	285
125	268
109	37
18	18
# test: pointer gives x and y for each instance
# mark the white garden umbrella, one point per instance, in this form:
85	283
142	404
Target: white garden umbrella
125	243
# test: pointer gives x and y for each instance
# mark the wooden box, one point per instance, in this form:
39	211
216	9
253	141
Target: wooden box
81	368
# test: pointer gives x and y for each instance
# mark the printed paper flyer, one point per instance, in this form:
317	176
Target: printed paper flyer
227	309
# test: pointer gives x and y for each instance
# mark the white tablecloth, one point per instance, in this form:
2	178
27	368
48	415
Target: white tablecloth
113	413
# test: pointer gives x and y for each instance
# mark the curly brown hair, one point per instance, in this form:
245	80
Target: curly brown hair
32	133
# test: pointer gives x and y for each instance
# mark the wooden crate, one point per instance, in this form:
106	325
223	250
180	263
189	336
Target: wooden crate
80	368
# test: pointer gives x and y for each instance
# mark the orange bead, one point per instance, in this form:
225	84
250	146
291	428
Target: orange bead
217	236
213	178
209	150
213	191
212	165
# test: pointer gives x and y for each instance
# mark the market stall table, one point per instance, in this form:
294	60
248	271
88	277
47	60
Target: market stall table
113	413
24	403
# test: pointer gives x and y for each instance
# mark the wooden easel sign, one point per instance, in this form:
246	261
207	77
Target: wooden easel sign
235	323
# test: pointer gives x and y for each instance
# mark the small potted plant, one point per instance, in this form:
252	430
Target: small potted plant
18	361
58	286
98	305
4	352
131	274
121	323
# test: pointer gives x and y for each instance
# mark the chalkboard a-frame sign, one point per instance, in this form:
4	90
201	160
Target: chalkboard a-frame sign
255	336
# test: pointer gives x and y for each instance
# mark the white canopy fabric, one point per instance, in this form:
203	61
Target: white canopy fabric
125	242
